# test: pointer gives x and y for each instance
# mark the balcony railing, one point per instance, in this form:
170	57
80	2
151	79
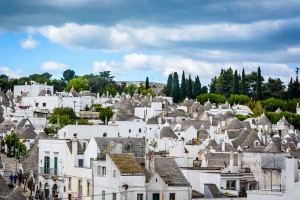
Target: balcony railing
49	171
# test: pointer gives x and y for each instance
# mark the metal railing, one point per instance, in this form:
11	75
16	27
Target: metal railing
49	171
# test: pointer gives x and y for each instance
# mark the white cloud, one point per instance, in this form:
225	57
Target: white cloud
126	37
205	70
29	43
10	73
53	66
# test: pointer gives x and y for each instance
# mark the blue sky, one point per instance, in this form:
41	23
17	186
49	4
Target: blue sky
139	38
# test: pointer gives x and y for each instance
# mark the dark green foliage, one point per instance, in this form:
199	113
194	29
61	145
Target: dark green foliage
213	85
197	87
131	89
68	75
259	85
204	90
243	89
224	82
66	116
189	88
292	118
183	88
83	122
175	88
13	142
78	83
273	88
147	83
236	87
105	114
242	117
213	98
169	85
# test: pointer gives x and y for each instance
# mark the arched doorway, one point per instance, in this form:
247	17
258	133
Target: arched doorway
55	191
47	190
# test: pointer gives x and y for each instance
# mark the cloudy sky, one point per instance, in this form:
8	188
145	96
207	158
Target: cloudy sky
139	38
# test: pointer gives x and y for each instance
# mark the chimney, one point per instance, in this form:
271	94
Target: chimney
231	163
239	156
208	149
210	119
223	145
159	120
152	164
74	149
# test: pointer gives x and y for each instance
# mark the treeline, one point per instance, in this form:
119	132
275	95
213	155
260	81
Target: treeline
188	88
253	85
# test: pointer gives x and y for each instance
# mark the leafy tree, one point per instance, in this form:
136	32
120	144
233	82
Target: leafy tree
68	75
273	88
111	90
65	115
239	99
58	85
236	88
213	98
78	83
131	89
272	104
190	88
213	85
47	75
149	91
12	141
105	114
169	85
4	82
147	83
84	122
175	88
197	87
258	109
182	87
259	85
106	75
204	90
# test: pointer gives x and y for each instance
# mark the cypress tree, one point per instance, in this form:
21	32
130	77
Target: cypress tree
169	85
197	87
258	85
190	88
175	88
290	89
243	83
235	89
182	87
213	85
147	83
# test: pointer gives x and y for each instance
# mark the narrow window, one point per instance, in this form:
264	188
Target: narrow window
140	196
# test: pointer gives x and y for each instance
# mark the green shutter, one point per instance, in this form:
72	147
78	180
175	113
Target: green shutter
55	165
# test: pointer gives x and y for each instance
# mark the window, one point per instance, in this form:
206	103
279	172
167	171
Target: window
70	184
114	173
64	188
46	165
80	162
129	130
172	196
79	188
230	184
88	188
140	196
99	170
103	195
140	130
103	171
44	104
36	104
104	134
55	166
114	196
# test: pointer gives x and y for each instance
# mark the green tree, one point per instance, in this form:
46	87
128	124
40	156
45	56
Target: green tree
224	82
13	143
147	83
68	75
175	88
190	88
236	88
274	87
182	87
105	114
258	109
259	85
78	83
64	115
204	90
197	87
243	83
213	98
106	75
131	89
213	85
239	99
169	85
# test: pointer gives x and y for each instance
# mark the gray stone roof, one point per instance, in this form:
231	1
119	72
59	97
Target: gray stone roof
295	153
4	190
138	148
202	133
197	123
6	125
272	148
42	93
73	92
15	194
27	133
195	106
154	120
204	116
219	117
263	120
249	142
228	114
169	171
246	124
239	140
218	159
31	161
232	134
200	110
207	105
87	93
235	124
228	148
167	132
21	125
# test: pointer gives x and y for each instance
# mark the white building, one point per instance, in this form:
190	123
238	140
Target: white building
32	89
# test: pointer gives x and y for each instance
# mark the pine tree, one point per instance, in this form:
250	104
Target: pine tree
290	89
235	89
147	83
197	87
258	85
212	85
243	83
190	88
224	82
182	87
169	85
175	88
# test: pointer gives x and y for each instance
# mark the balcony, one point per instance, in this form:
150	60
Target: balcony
53	172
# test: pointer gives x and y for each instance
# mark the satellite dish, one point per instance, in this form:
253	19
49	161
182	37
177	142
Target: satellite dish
128	145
